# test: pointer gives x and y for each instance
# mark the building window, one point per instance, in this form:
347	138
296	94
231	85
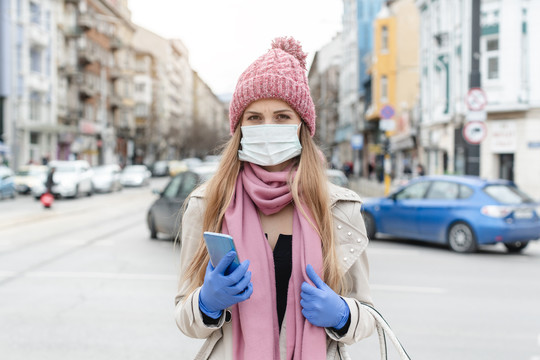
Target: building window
140	88
35	60
492	58
384	38
141	110
384	89
35	106
35	13
34	138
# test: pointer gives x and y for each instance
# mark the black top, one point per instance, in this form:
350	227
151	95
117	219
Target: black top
282	270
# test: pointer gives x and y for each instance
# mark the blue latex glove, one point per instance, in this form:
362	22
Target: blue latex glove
219	291
321	306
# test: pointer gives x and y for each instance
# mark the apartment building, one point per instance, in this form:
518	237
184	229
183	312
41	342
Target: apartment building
509	52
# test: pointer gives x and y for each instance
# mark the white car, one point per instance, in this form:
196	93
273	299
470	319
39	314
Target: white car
71	178
106	178
135	175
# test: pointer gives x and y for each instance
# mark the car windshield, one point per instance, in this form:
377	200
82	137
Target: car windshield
134	169
507	194
67	168
103	170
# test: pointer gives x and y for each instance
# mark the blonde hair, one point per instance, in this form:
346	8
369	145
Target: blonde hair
309	188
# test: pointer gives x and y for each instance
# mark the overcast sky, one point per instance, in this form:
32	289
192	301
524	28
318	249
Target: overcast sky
225	36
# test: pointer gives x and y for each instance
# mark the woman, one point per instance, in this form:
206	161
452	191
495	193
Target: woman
301	240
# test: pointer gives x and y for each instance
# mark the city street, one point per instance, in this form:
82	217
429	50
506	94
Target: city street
83	280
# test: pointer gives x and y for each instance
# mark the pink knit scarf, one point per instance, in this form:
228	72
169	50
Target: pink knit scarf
255	321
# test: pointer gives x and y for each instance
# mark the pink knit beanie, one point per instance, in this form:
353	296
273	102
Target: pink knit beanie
278	74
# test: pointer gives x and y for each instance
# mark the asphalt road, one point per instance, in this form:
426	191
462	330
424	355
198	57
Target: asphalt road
84	281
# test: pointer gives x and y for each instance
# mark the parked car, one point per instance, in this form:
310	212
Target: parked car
337	177
459	211
7	185
29	176
164	216
160	168
106	178
71	178
135	175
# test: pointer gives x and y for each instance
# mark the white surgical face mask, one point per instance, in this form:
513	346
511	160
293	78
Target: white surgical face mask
269	145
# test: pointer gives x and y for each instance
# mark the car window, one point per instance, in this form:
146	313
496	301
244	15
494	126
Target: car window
465	191
172	189
189	183
507	194
443	190
414	191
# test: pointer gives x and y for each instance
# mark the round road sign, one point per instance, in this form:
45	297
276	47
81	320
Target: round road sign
476	99
474	132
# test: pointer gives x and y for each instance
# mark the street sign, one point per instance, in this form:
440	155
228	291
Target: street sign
480	115
474	132
387	125
357	141
476	99
387	112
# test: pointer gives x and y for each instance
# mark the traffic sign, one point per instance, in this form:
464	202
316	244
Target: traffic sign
476	99
357	141
474	132
476	115
387	112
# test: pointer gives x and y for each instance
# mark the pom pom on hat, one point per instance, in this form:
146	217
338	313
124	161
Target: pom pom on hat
278	74
291	46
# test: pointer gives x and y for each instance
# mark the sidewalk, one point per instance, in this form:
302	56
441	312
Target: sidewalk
366	188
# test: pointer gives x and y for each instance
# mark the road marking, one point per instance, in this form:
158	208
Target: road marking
91	275
412	289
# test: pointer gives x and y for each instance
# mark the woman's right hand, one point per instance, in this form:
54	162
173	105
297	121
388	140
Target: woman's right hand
220	291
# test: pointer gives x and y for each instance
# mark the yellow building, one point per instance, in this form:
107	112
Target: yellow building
394	85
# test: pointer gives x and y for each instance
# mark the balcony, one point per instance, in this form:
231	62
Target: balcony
85	56
38	36
38	82
115	73
115	101
68	70
72	32
85	22
115	43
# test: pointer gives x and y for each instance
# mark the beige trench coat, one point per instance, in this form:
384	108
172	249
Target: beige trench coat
351	234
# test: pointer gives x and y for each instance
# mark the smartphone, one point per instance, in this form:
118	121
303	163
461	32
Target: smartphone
218	245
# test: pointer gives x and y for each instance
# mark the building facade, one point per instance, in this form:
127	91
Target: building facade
509	50
323	78
29	127
357	40
395	88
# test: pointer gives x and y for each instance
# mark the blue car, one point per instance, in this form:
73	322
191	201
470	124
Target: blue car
7	185
459	211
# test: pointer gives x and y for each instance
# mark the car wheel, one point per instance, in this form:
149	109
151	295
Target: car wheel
516	247
369	221
461	238
152	227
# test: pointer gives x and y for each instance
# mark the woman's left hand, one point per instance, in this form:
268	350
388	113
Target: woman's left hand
321	306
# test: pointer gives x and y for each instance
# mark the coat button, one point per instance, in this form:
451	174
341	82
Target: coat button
351	250
358	240
339	227
349	233
344	259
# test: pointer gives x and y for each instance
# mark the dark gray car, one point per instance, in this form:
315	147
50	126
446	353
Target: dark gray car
164	216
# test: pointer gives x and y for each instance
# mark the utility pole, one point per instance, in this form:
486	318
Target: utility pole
472	161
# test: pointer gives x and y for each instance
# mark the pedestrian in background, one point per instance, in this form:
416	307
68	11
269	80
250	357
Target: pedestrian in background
49	183
420	170
300	239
